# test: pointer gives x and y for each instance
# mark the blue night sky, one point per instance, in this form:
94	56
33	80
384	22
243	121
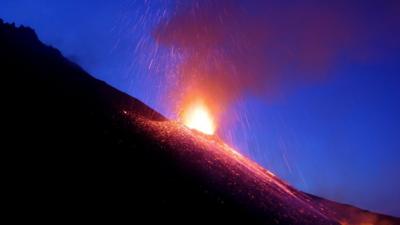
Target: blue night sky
336	135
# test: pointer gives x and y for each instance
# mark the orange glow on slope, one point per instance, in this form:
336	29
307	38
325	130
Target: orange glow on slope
198	117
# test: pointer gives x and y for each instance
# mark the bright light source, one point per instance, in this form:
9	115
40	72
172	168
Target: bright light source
197	116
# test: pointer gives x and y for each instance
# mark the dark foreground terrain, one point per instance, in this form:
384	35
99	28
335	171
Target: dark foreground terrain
82	151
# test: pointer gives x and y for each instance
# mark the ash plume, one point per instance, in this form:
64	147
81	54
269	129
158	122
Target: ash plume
231	49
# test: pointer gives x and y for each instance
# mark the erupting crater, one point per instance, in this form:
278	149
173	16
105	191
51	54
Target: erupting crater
197	116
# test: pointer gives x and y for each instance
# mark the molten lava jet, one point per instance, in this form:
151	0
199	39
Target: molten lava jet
197	116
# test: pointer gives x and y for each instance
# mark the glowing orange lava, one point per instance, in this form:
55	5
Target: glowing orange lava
198	117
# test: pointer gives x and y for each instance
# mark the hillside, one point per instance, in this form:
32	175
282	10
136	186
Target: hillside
82	151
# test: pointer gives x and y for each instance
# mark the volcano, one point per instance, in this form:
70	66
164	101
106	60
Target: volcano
82	151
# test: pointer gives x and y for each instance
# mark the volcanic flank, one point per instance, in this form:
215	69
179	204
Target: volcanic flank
84	151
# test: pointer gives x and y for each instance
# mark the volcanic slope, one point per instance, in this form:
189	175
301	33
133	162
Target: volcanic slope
81	150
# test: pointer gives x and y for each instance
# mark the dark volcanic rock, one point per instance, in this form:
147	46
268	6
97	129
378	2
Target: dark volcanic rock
82	151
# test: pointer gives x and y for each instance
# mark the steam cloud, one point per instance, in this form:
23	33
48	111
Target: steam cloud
255	47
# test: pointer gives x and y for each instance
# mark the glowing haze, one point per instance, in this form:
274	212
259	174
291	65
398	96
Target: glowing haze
235	48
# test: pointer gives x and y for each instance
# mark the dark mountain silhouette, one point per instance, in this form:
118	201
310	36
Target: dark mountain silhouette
82	151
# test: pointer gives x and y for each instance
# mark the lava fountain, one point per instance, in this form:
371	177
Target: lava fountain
197	116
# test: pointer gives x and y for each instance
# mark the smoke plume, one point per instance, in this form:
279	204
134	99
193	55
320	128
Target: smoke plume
232	47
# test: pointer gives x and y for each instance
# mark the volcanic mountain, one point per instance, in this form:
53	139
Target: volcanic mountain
82	151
